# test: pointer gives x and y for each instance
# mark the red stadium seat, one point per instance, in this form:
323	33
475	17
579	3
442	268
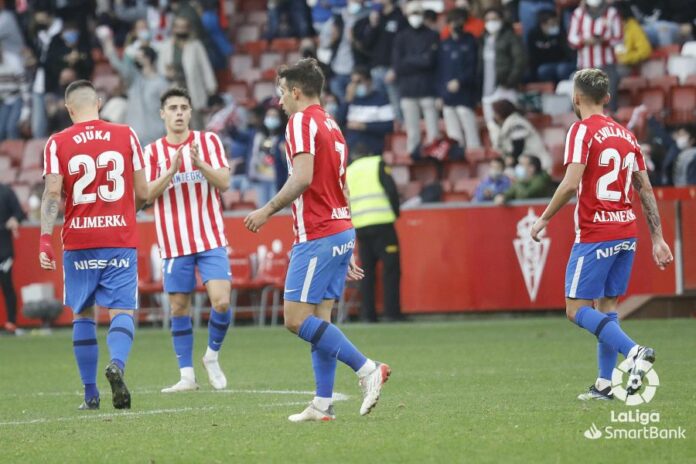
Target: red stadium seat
541	87
682	105
240	91
285	45
263	90
424	172
633	84
654	100
467	185
539	120
33	153
455	170
272	273
14	149
666	51
254	47
241	62
475	154
664	82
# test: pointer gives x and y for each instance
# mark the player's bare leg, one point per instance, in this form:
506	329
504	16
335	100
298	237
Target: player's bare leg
180	305
119	340
220	317
87	356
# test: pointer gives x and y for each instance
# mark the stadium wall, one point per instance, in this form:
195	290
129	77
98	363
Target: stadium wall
454	259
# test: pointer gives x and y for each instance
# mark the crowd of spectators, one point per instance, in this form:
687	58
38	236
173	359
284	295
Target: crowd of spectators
451	80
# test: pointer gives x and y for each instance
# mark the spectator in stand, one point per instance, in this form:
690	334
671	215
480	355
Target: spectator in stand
531	182
45	27
502	64
337	36
414	60
665	22
243	136
323	10
114	104
457	79
595	29
15	99
297	14
494	184
69	49
679	167
335	108
550	58
221	49
430	20
145	87
517	136
636	47
57	114
262	162
370	115
529	14
11	215
376	33
11	36
472	24
184	62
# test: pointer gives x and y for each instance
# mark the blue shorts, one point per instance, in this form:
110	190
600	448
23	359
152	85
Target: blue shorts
318	268
180	272
599	269
107	276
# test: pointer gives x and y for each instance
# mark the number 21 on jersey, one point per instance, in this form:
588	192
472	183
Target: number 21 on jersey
611	157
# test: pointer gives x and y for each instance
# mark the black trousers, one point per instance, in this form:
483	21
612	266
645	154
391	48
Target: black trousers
380	243
8	290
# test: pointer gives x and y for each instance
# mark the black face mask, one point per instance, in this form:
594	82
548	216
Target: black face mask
182	35
137	65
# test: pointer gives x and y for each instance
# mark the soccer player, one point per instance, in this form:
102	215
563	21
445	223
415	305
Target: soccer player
322	256
99	166
186	171
604	162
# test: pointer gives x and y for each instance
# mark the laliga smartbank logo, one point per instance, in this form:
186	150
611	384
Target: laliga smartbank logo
634	424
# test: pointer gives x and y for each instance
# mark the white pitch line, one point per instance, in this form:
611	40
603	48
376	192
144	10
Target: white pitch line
337	396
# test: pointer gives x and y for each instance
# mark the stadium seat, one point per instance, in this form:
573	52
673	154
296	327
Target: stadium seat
474	155
564	120
456	170
653	68
424	172
555	104
466	185
633	84
258	18
240	91
248	33
230	197
666	51
682	105
564	87
33	154
541	87
239	63
243	281
654	100
285	45
270	60
30	176
664	82
681	66
482	168
7	174
250	75
689	49
539	120
255	47
14	149
554	135
263	90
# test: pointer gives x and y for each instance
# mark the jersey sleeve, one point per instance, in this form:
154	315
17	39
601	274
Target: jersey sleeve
51	162
577	145
216	151
301	134
639	164
150	165
138	160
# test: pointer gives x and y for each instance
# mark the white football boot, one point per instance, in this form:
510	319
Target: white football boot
371	386
216	377
313	413
183	385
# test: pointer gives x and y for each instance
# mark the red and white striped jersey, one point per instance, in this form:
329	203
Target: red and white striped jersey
322	209
607	27
188	215
97	160
611	154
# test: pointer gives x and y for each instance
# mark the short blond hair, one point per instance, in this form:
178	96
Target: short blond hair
592	83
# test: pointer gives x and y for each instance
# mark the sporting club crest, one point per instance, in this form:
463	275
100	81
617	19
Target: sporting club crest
531	255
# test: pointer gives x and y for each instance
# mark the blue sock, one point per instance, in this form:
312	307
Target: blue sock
324	366
120	338
87	354
217	328
328	338
182	335
606	330
606	355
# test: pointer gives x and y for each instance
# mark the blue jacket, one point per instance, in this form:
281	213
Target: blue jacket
489	188
414	58
458	59
376	112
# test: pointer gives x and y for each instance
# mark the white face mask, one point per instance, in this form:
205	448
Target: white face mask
520	172
34	202
493	26
683	142
354	8
594	3
415	20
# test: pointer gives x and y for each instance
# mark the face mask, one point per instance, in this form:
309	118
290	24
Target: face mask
683	142
361	91
271	122
493	26
331	108
415	20
520	172
354	8
34	202
71	37
495	175
182	35
554	30
144	35
594	3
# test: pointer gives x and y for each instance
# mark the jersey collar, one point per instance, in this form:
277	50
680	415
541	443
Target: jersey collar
187	141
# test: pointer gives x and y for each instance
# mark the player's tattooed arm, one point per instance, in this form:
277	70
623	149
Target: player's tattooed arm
50	203
298	182
641	183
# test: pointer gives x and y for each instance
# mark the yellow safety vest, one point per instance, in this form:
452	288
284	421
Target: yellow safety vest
369	203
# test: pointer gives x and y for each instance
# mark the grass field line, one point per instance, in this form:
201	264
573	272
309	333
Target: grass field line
156	391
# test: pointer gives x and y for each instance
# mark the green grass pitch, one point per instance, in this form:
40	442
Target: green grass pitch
462	391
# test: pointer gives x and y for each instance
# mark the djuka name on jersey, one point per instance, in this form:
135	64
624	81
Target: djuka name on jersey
88	136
